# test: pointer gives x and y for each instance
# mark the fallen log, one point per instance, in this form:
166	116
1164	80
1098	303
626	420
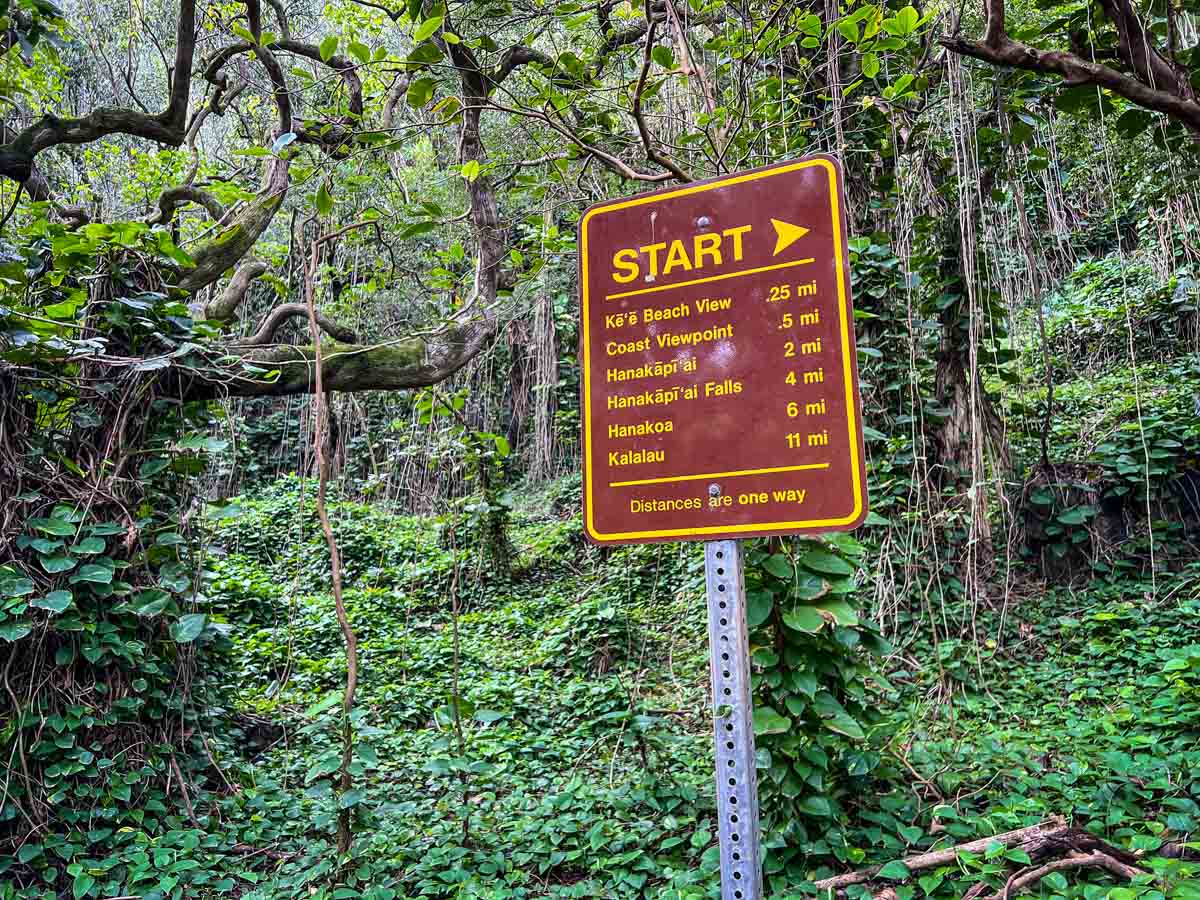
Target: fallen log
1031	875
1032	836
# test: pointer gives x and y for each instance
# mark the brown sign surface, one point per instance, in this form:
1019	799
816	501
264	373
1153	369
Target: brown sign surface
720	386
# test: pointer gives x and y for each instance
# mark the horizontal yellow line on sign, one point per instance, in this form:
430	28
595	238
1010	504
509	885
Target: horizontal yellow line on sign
679	284
718	475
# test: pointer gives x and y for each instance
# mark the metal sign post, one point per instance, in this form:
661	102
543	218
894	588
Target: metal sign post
737	783
717	350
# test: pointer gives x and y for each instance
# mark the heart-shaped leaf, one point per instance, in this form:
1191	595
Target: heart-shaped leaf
804	618
188	628
55	601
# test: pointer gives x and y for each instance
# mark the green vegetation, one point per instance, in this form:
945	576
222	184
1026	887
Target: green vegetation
295	600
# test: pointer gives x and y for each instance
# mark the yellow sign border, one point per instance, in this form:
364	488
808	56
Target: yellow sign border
843	321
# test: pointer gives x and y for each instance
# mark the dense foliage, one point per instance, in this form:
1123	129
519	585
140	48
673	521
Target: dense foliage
257	255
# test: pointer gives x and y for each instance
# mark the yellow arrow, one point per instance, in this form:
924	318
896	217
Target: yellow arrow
786	234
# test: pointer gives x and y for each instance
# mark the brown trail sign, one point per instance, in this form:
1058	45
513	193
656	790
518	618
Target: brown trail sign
720	401
720	385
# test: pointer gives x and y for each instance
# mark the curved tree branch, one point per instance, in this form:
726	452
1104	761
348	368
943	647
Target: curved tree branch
167	127
612	162
170	200
395	365
410	362
234	241
275	319
346	69
285	28
1155	85
652	152
223	308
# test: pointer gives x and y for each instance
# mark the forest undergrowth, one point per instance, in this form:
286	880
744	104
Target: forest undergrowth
581	765
575	758
249	249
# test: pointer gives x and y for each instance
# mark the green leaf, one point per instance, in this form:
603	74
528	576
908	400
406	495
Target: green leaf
907	19
12	585
930	883
417	228
663	56
28	852
89	546
328	47
768	721
420	92
870	68
360	51
351	798
489	715
841	612
1056	881
758	607
895	870
91	572
842	723
330	699
14	631
56	564
835	717
1132	123
779	566
188	627
816	805
826	563
53	526
152	467
424	55
152	601
55	602
426	29
804	618
1076	515
82	885
324	199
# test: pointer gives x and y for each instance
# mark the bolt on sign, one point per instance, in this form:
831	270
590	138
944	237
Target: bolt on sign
720	384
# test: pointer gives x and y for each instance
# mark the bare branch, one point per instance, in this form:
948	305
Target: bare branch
1027	878
393	365
223	308
285	29
275	319
167	127
652	152
345	68
1157	84
234	241
1138	49
395	93
612	162
173	198
1077	71
254	18
515	57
